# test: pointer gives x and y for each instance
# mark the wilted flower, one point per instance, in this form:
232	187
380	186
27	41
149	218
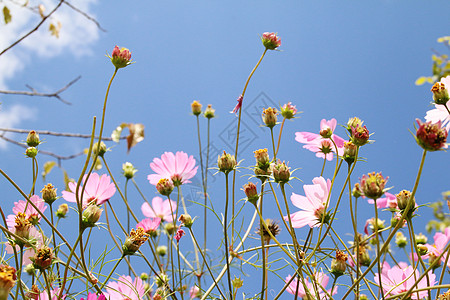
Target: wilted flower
125	288
98	190
288	111
273	228
163	209
237	282
179	167
311	288
128	170
280	172
209	112
186	220
196	108
120	57
338	264
251	192
165	186
270	40
33	139
226	162
180	233
238	105
372	185
43	258
313	205
7	280
431	136
134	241
269	117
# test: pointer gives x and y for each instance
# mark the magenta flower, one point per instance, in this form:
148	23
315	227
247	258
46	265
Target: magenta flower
400	279
238	105
32	214
120	57
93	296
323	147
389	201
270	40
98	189
180	233
440	242
321	280
431	136
163	209
125	288
313	205
149	225
178	167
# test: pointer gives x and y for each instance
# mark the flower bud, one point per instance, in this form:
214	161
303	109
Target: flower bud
281	172
186	220
432	260
62	210
49	194
262	158
120	57
33	139
353	122
288	111
373	185
326	132
363	297
365	259
269	117
356	192
251	192
170	228
180	233
165	186
30	270
237	282
196	108
144	276
350	152
422	249
400	239
403	199
7	280
396	218
22	227
134	241
431	136
440	93
31	152
360	135
128	170
421	239
270	40
91	215
226	162
161	280
100	151
161	250
43	258
338	265
209	112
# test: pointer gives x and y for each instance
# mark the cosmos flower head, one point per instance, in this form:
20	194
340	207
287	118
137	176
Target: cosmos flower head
178	167
163	209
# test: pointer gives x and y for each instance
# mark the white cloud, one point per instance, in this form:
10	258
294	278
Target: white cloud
13	116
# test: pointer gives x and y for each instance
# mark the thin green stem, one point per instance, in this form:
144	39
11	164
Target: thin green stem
225	222
261	232
279	136
273	145
112	271
377	239
179	271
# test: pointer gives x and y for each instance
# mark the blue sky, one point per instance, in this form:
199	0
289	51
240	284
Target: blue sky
337	60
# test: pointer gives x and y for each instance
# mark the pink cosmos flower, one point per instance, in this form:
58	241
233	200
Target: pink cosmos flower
400	279
163	209
98	189
323	147
53	293
93	296
238	105
35	238
178	167
440	242
389	201
32	214
313	205
440	113
321	279
149	225
125	288
194	292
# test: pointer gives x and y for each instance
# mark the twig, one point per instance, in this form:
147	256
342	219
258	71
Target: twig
65	134
85	15
36	93
32	30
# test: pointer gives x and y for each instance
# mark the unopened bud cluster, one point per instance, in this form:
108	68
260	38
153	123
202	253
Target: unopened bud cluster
226	162
372	185
269	117
280	172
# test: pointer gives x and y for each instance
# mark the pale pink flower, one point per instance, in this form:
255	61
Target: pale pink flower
194	292
313	205
31	213
98	189
316	143
178	167
389	201
93	296
34	238
238	105
321	280
441	239
180	233
149	224
400	279
53	293
163	209
125	288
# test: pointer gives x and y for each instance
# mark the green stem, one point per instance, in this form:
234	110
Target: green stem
112	271
179	271
54	242
273	145
377	239
264	268
279	136
226	237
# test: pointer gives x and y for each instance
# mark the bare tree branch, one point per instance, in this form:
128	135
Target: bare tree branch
36	93
34	29
52	133
85	15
